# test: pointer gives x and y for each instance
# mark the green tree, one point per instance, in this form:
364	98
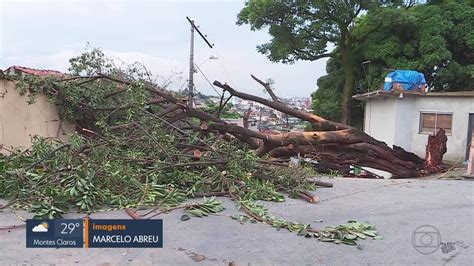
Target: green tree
303	30
436	38
326	100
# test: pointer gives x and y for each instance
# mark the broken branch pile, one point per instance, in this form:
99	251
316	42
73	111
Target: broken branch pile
136	144
139	144
334	145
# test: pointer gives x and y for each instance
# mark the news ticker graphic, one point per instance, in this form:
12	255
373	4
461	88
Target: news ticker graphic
123	233
64	233
94	233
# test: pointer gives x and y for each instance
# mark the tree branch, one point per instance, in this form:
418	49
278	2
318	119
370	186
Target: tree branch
318	123
267	87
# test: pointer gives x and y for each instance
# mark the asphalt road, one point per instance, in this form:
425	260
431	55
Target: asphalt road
396	207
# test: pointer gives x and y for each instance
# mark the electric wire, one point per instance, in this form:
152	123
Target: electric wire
208	81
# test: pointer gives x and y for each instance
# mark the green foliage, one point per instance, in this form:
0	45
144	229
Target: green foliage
72	97
126	157
436	39
48	209
347	233
91	62
301	30
92	174
326	100
209	206
226	112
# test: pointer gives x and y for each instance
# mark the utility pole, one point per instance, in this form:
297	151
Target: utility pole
191	60
191	66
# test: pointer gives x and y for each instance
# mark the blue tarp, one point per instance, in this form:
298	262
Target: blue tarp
409	79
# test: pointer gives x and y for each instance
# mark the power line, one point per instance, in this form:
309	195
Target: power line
223	66
208	81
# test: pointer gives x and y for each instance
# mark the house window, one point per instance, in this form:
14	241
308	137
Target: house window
431	122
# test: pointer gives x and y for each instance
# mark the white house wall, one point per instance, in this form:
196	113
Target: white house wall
405	109
20	121
379	121
460	107
396	121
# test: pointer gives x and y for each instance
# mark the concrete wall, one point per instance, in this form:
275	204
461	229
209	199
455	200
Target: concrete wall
460	107
20	121
404	126
396	121
379	120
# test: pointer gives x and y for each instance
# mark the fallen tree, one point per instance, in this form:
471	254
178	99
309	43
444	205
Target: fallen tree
138	144
333	145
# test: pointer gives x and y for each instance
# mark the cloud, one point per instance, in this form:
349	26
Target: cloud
60	60
156	33
233	66
164	69
41	228
56	61
158	65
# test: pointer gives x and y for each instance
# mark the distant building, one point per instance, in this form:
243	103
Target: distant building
407	119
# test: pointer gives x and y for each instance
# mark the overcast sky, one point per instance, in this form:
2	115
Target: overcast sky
45	34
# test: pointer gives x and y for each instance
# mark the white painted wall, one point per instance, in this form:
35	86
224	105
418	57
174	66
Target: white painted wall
379	120
404	129
457	141
19	121
396	121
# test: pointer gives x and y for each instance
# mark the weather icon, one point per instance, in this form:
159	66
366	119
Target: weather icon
40	228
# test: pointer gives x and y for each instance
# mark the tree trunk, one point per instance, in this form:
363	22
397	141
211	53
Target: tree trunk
435	149
335	144
348	66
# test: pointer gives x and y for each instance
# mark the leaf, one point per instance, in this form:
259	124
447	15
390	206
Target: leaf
196	212
378	237
360	235
372	233
349	242
302	232
185	217
36	205
350	236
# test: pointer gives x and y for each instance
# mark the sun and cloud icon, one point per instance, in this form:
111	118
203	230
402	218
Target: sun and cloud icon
41	228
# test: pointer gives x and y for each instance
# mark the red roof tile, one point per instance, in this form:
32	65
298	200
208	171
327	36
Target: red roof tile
37	72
